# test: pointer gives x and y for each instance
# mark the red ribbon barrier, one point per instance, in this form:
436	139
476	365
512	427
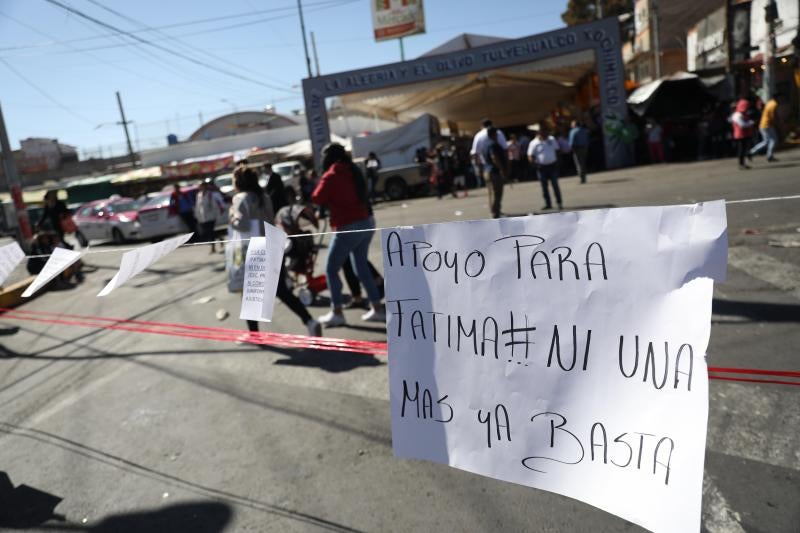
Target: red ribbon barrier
302	341
200	332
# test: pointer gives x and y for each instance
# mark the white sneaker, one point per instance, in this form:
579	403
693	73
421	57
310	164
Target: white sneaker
314	328
331	320
374	316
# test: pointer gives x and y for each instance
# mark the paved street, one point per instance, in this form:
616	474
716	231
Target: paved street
138	432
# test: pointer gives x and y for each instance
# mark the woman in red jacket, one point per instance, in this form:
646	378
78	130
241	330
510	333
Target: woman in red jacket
343	190
742	130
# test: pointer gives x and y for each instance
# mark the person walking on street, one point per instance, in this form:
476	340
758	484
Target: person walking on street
655	141
495	173
54	215
275	188
250	204
742	131
373	166
479	144
579	144
208	208
514	159
543	154
766	127
181	205
343	190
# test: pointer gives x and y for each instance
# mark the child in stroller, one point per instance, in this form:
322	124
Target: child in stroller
297	220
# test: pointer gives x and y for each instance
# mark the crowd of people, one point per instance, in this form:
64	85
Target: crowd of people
343	193
498	161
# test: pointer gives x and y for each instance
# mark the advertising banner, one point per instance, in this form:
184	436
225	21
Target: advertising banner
392	19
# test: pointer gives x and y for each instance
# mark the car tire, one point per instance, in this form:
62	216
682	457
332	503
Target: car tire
117	236
396	188
82	240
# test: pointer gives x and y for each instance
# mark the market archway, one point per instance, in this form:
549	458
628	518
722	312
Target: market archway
600	37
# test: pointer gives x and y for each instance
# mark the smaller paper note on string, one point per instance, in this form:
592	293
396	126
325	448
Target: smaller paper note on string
262	274
60	260
10	257
137	260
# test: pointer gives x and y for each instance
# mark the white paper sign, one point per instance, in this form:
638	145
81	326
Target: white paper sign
261	275
564	352
135	261
59	260
10	256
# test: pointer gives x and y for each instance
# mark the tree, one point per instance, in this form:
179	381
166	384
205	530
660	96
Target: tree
580	11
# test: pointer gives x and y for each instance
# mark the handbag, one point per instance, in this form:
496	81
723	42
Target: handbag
67	224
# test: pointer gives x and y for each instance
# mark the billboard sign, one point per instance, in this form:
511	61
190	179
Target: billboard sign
392	19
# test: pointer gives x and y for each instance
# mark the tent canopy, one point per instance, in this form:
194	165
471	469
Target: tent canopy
679	94
510	96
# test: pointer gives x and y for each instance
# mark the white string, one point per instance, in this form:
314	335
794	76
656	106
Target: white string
207	243
768	199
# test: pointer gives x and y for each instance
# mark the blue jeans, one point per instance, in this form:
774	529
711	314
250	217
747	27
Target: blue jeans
356	246
769	138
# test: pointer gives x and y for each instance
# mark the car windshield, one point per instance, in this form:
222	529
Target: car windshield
158	201
284	170
121	207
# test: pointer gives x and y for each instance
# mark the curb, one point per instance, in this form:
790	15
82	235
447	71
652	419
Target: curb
11	296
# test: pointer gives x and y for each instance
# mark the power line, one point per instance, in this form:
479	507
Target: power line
176	40
112	64
175	53
45	93
289	8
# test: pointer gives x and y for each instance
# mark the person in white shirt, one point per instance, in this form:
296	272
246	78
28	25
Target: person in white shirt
543	154
480	143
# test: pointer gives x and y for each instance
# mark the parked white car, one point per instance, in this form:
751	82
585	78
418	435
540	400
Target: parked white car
156	219
224	182
116	220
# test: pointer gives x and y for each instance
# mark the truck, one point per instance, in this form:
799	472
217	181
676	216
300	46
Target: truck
400	176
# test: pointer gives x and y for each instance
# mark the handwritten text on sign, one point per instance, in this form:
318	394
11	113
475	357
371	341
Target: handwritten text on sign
564	352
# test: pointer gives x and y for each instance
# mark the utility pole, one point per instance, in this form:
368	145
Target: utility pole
656	37
314	49
402	50
771	17
14	186
305	41
599	9
124	123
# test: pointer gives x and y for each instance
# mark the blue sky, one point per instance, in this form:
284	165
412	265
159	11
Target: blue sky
73	66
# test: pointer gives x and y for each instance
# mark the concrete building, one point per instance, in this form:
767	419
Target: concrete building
41	154
658	46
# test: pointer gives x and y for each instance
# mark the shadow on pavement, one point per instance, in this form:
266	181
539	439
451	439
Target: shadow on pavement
324	360
194	517
25	507
217	515
330	361
565	210
757	311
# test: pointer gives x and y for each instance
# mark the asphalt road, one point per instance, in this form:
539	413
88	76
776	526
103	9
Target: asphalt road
121	431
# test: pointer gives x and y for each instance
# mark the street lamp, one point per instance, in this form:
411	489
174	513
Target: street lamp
235	113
